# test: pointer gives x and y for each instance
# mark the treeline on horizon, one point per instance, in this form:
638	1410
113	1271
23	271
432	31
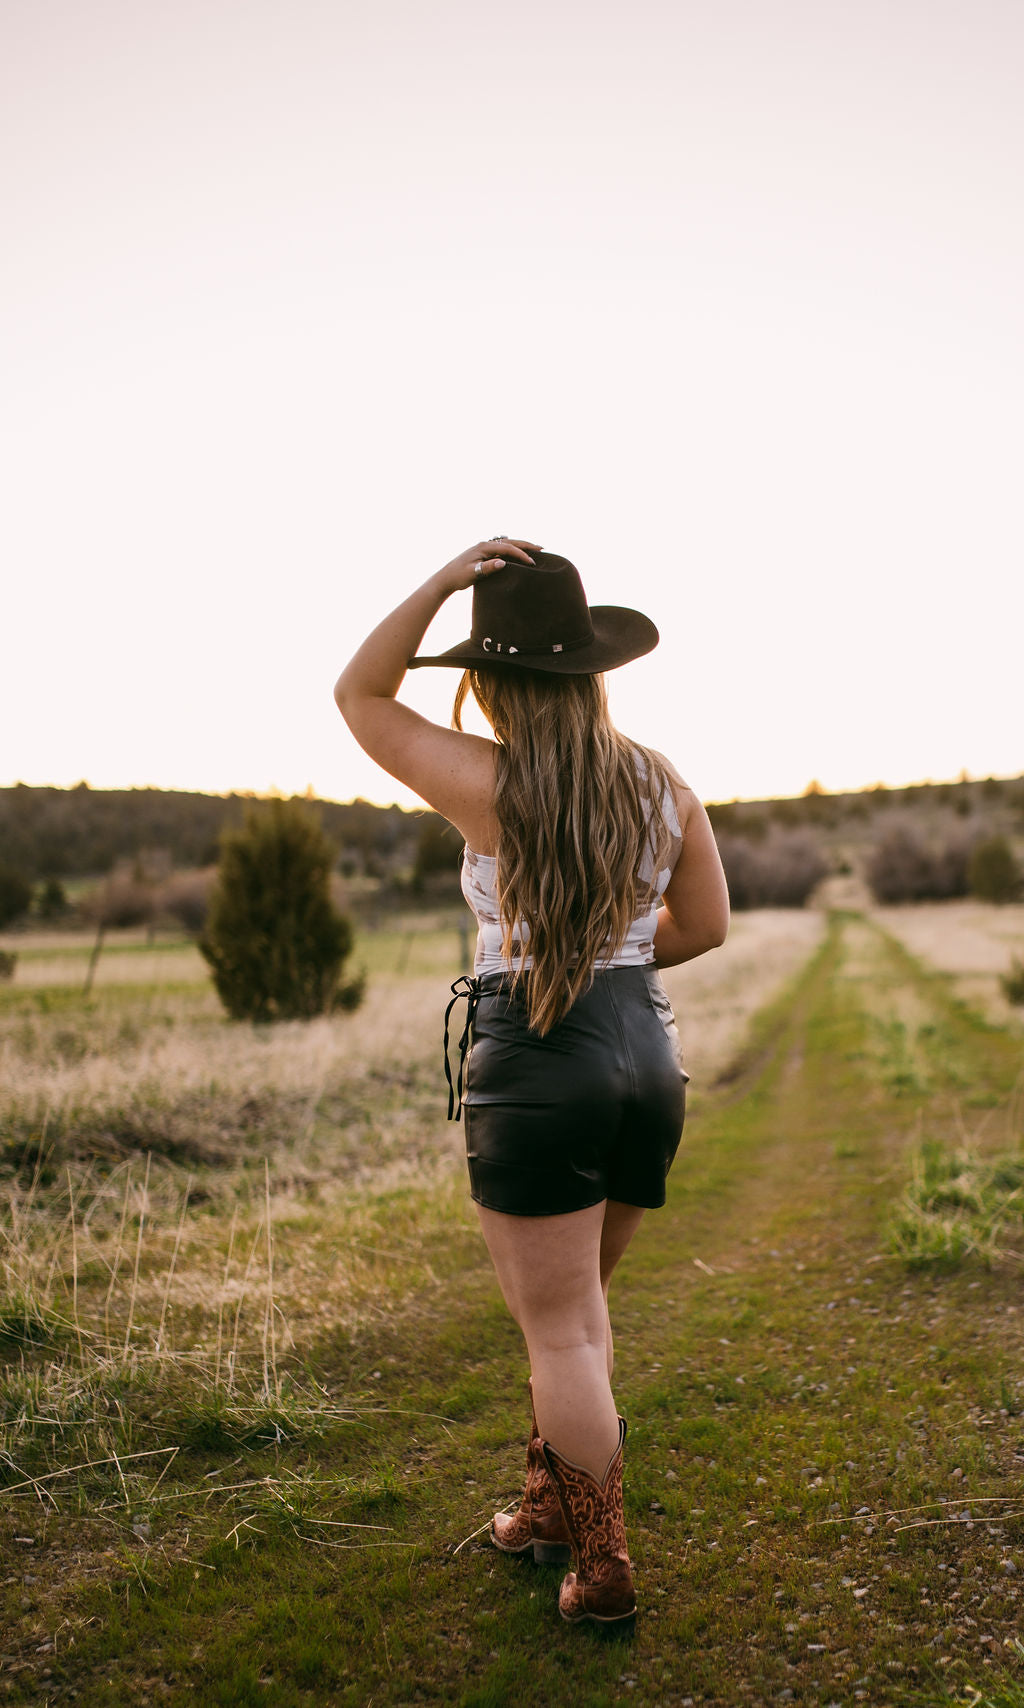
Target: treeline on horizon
85	833
82	832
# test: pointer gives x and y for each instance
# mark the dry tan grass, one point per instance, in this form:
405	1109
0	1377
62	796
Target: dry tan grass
365	1175
973	940
177	1044
181	1044
716	997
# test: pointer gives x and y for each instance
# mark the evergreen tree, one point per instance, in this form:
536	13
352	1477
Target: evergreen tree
52	900
992	871
15	895
438	849
273	938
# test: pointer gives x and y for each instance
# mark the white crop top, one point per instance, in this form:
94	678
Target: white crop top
480	888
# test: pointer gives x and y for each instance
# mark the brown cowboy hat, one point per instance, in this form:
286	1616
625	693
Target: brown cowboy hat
536	617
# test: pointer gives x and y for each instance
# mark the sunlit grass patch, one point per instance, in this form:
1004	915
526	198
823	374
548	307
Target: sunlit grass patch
1007	1692
24	1323
153	1321
961	1203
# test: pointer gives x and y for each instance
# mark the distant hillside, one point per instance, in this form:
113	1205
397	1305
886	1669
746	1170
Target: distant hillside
82	832
931	841
994	804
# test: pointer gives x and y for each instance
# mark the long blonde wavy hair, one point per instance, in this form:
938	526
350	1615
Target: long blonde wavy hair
576	817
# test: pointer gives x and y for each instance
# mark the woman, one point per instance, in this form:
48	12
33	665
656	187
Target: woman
589	864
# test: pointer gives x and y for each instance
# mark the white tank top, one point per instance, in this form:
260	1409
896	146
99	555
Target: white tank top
480	888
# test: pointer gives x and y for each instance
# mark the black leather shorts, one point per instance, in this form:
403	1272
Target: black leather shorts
592	1110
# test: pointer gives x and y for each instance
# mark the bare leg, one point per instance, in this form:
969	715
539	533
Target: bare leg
551	1272
620	1224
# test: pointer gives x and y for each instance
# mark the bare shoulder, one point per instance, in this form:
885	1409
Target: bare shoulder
687	803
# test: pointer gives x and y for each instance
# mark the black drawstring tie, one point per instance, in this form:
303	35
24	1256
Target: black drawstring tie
470	989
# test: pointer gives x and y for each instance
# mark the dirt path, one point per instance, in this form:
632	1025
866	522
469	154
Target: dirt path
824	1458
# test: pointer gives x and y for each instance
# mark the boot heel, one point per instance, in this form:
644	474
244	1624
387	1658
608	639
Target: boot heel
551	1553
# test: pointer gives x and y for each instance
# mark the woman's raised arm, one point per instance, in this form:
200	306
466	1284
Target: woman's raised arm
444	766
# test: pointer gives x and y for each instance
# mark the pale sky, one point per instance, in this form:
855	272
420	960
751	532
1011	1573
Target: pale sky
719	298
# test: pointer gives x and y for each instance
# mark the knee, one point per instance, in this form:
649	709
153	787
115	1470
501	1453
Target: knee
559	1334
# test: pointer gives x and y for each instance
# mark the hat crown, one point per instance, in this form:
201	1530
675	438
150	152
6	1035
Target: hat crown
539	609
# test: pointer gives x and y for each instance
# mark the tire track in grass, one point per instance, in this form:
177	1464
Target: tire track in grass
814	1379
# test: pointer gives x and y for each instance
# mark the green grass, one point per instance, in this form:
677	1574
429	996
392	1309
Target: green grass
960	1203
1012	983
114	946
823	1464
409	944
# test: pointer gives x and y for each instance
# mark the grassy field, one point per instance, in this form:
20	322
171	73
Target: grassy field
970	940
260	1395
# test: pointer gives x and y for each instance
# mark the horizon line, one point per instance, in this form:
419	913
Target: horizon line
813	789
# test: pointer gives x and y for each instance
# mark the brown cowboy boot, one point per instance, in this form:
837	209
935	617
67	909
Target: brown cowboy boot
601	1587
539	1523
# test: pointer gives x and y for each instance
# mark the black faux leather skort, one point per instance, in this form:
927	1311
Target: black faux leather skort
592	1110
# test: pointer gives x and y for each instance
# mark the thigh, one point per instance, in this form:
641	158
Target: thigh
620	1224
548	1267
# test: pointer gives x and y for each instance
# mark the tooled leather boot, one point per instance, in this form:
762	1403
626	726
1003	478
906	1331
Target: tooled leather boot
539	1523
601	1587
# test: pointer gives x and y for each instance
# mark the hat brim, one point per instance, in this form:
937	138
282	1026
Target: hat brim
620	635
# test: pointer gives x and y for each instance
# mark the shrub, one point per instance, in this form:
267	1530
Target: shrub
15	895
1013	982
121	900
186	897
951	863
8	962
900	868
904	867
273	938
52	900
438	849
740	860
780	872
992	871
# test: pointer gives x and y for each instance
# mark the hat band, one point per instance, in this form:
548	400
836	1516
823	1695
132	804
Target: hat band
503	649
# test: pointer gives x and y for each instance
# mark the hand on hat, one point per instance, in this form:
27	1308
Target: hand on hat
485	559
